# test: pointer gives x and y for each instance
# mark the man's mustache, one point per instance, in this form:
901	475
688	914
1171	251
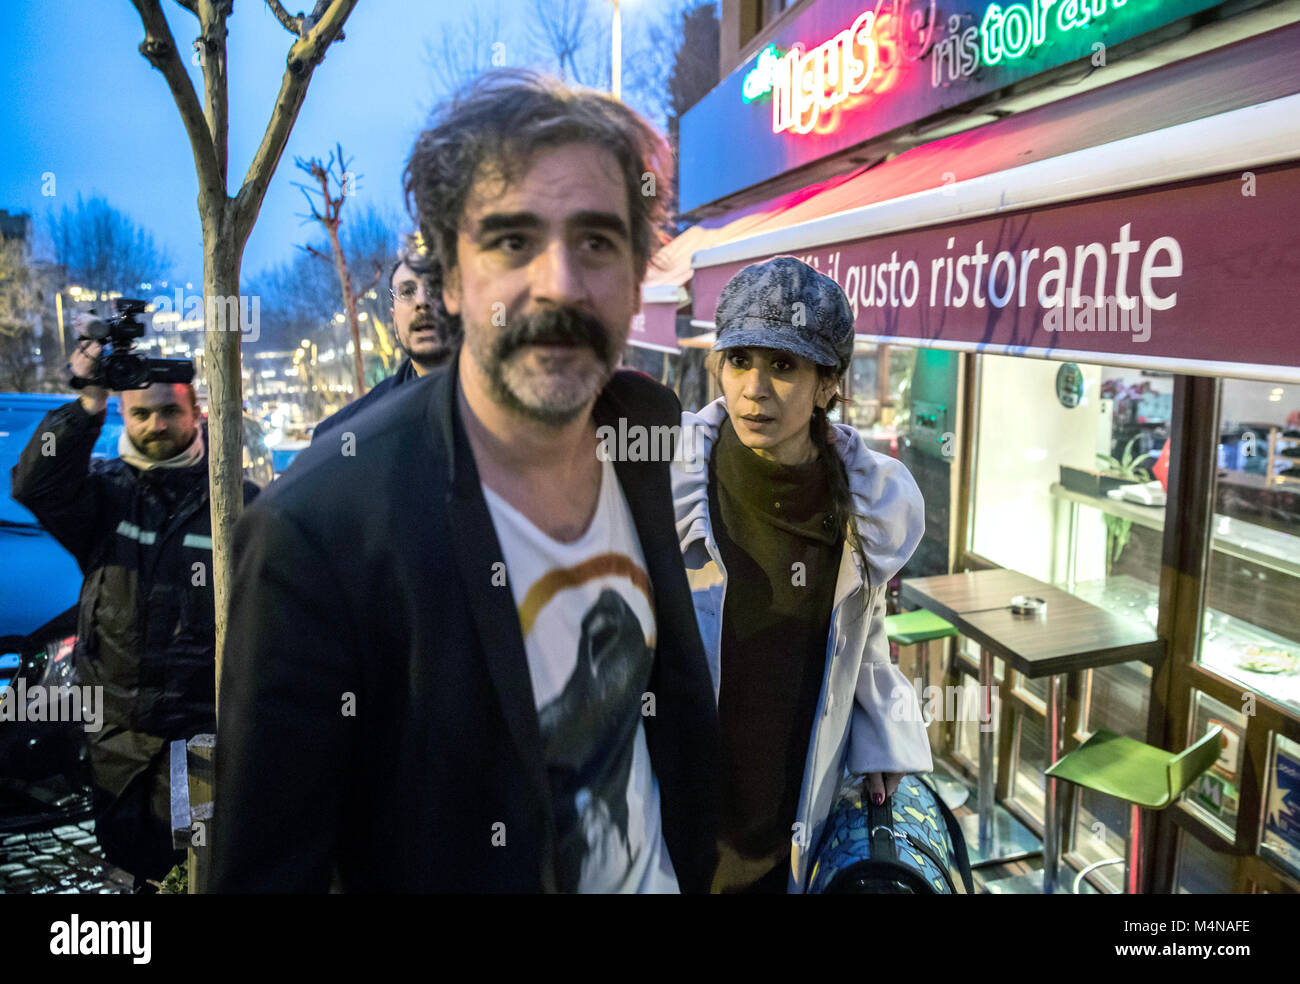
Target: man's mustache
554	326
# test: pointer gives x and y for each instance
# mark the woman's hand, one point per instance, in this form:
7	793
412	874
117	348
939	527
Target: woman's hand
882	784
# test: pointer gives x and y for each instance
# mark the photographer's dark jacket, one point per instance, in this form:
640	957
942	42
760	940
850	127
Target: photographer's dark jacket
145	629
377	714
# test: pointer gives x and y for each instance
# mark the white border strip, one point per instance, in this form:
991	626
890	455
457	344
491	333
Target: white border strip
1194	367
653	347
1250	137
664	294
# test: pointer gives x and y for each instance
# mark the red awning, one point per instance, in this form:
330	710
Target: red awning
856	228
655	325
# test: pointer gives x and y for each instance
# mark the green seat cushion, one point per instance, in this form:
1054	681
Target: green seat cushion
909	628
1118	766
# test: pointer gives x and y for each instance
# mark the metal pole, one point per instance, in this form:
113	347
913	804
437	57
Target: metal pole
1051	815
58	309
923	671
986	752
1072	548
1133	855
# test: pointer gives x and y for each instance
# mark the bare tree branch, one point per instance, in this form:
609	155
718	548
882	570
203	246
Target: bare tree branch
189	5
304	56
291	24
159	48
563	25
212	47
379	273
307	194
465	48
103	249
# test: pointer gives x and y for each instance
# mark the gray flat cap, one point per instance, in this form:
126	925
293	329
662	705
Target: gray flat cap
785	304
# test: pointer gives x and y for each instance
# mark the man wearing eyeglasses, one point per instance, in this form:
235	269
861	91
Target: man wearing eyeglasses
425	331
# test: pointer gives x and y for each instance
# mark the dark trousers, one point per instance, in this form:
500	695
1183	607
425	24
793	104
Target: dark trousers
134	828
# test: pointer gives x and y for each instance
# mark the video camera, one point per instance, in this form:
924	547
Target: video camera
117	368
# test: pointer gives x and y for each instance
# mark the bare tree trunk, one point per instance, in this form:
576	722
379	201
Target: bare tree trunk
349	304
227	221
221	263
330	215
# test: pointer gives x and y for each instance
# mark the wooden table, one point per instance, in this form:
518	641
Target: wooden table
1071	635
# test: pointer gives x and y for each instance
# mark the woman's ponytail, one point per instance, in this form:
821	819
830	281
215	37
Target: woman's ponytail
843	514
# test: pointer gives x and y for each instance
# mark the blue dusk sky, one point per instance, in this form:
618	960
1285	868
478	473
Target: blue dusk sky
98	118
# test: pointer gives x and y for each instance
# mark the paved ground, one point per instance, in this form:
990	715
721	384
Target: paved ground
63	860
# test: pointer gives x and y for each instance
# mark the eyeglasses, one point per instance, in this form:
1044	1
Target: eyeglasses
405	292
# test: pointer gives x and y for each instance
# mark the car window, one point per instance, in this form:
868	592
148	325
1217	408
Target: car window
17	424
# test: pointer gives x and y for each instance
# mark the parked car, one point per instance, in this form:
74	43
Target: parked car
282	454
42	764
38	579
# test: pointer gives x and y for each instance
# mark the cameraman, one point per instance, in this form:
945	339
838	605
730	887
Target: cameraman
139	525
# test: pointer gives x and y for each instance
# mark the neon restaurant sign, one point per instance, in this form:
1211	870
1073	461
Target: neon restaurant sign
841	72
1012	32
805	83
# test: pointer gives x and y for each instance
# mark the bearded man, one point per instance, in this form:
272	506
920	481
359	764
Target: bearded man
463	655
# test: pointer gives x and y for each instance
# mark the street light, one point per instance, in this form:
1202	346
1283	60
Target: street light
58	311
616	54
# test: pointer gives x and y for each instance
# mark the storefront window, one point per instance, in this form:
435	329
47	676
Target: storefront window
1070	478
1068	490
880	378
968	728
1252	590
864	410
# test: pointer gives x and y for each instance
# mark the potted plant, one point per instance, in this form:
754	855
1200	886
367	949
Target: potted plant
1127	470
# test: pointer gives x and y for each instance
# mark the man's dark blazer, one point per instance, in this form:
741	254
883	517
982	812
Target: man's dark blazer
405	374
376	712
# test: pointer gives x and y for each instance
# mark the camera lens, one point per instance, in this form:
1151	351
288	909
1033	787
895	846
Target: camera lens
123	371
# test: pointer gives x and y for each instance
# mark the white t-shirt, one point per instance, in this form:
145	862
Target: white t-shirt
589	632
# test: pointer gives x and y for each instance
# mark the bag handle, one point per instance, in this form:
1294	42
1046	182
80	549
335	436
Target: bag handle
884	839
880	827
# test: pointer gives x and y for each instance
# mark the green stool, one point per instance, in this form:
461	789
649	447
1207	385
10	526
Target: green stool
919	628
1146	777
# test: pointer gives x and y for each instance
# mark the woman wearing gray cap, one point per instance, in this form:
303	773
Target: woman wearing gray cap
791	529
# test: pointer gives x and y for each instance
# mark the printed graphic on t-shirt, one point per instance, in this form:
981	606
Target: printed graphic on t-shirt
587	617
589	732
